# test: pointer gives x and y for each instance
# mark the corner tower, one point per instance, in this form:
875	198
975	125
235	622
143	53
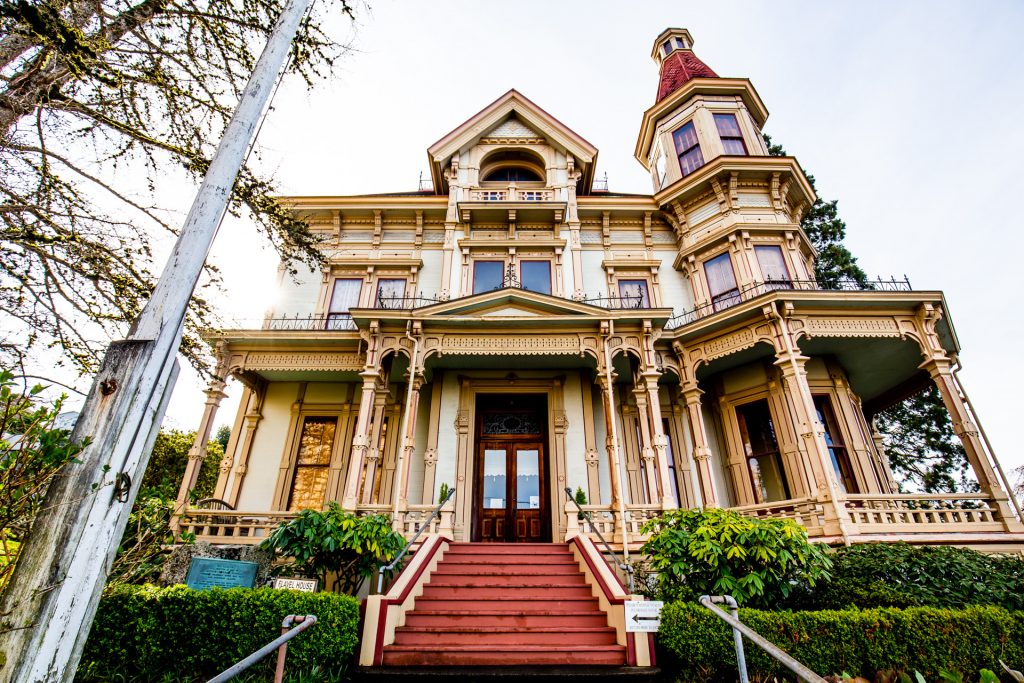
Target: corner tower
735	210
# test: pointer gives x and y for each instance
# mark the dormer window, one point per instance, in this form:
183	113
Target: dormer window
729	131
688	149
513	174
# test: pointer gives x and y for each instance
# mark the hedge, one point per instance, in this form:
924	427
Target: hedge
857	642
145	633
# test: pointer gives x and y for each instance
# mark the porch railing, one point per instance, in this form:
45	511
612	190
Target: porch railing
869	513
756	289
891	513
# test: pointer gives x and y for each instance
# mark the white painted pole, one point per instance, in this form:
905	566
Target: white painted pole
50	602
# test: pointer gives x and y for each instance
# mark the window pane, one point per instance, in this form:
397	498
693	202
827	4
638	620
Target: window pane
685	138
390	292
773	266
721	278
494	479
309	488
527	479
834	441
536	276
487	275
727	126
345	295
760	446
634	294
734	147
691	161
671	457
316	441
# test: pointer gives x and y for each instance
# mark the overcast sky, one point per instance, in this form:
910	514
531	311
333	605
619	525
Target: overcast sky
907	113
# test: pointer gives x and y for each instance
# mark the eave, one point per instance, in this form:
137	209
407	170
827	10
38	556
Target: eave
747	166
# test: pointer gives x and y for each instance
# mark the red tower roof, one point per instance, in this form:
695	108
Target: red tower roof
678	68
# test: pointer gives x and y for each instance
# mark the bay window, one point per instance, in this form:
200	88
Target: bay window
721	282
634	294
729	132
391	293
773	267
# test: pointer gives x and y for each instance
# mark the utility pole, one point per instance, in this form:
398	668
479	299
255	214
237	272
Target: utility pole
51	600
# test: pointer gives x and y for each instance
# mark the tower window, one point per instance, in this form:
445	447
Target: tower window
688	149
729	131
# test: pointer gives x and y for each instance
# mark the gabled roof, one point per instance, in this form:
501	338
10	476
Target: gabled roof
529	114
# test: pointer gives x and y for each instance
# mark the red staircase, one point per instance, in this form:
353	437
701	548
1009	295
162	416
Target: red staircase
506	604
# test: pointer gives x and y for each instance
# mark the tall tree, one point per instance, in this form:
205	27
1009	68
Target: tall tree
139	86
826	230
918	435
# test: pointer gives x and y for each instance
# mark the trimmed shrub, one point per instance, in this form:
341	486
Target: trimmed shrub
715	551
146	633
902	575
852	641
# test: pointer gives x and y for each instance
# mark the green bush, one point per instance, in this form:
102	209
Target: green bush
715	551
146	633
832	642
335	542
901	575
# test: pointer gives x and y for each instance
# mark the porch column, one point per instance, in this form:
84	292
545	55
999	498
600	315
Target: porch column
701	453
231	451
650	380
940	369
374	453
251	421
593	473
811	440
430	455
408	439
606	380
214	395
361	439
646	444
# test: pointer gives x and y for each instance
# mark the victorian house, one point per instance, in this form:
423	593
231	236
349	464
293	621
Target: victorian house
517	329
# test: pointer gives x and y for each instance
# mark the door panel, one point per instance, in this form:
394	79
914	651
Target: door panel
494	490
528	492
511	505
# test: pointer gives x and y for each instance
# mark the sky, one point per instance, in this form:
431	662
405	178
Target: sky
904	112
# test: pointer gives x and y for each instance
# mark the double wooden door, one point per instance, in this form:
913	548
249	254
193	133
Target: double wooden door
511	503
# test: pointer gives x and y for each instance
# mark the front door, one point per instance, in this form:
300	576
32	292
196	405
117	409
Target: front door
511	482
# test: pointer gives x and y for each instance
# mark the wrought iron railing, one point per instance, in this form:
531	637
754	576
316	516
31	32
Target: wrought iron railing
616	302
752	291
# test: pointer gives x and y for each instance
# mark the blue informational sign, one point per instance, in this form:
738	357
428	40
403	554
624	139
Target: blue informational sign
210	572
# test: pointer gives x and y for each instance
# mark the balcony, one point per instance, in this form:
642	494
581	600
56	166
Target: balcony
512	194
531	204
735	297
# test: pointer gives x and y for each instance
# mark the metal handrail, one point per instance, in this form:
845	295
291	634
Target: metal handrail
738	628
425	525
625	565
279	643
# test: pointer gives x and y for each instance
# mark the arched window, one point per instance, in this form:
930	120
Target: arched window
517	174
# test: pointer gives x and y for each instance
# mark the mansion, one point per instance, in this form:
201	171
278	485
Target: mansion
518	329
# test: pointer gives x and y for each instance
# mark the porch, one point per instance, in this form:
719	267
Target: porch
959	518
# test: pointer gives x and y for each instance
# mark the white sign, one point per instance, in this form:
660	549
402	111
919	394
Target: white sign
643	616
304	585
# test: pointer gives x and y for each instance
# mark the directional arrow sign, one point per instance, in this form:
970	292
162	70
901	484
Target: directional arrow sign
643	616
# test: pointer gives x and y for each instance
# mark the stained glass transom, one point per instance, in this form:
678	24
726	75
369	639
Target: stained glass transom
511	423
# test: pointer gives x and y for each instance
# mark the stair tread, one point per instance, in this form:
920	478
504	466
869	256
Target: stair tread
506	629
492	612
523	648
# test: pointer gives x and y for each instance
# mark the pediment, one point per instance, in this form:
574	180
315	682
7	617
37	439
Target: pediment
511	128
511	113
510	303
